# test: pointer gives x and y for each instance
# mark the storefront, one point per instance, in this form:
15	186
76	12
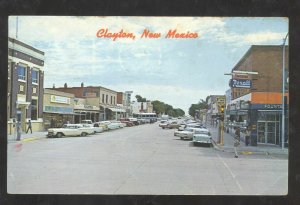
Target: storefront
86	112
58	108
263	119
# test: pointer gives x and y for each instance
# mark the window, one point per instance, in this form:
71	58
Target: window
21	73
102	98
106	99
34	109
111	100
114	100
34	75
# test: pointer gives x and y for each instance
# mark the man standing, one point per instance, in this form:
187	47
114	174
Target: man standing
29	127
237	137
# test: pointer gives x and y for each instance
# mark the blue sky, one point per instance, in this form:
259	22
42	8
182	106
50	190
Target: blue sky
177	71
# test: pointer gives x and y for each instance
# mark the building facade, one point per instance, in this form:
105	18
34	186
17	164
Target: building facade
25	85
104	98
58	108
256	100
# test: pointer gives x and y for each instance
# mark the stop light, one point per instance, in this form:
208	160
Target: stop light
222	109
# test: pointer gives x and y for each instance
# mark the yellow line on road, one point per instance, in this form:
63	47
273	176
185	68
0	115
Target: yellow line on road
29	139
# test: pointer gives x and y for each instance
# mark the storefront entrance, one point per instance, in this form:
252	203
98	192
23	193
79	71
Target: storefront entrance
268	132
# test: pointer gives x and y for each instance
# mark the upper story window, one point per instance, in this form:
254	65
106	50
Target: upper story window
21	73
34	75
106	99
102	98
111	97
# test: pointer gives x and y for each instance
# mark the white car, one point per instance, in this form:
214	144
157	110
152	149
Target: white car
163	123
69	130
111	125
202	135
187	133
119	123
95	127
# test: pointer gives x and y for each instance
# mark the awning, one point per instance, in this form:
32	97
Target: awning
117	109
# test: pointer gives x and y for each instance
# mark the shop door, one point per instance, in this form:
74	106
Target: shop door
261	132
266	132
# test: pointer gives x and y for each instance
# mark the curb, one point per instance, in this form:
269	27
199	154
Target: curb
30	139
245	152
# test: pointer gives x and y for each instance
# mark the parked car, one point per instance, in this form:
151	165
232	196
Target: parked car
170	125
86	122
187	133
111	125
69	130
134	120
127	122
163	123
202	136
102	125
95	127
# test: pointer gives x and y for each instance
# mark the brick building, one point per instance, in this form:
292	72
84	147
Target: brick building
25	85
256	99
104	98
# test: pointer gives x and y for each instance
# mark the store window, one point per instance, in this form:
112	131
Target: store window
21	73
34	76
34	109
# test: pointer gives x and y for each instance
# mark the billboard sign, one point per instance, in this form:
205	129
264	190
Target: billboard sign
240	83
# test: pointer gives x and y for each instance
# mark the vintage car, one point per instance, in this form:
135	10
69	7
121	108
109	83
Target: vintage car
102	125
127	122
111	125
70	130
94	126
134	120
202	135
163	123
170	125
187	133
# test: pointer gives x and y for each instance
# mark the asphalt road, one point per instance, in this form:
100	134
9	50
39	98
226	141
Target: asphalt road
139	160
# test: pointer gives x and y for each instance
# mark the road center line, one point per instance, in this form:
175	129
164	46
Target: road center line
231	173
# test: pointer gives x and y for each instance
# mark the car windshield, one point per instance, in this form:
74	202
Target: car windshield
201	132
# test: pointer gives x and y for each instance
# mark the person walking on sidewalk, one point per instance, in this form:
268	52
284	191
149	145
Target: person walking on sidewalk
247	136
29	127
237	137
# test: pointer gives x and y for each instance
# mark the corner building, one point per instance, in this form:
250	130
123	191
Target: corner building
256	99
25	85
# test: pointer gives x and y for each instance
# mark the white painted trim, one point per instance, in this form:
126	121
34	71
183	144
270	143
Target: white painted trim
26	63
26	51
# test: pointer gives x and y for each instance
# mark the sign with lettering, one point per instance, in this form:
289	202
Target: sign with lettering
267	106
240	83
59	99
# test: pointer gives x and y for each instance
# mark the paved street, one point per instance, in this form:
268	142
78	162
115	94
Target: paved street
139	160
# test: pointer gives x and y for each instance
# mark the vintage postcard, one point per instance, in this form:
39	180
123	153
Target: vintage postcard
148	105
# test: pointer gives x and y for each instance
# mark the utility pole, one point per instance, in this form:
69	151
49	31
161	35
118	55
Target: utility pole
283	92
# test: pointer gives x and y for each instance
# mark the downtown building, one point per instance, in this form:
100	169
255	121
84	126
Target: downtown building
25	86
94	103
256	99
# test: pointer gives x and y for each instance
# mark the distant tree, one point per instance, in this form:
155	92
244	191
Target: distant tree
200	105
179	112
140	98
158	107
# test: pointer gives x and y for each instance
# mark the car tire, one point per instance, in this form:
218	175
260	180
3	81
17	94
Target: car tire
59	135
83	134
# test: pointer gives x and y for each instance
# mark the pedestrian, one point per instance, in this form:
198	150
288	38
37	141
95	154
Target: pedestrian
237	137
29	127
52	123
247	136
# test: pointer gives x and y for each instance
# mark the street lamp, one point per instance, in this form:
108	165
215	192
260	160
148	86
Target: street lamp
283	92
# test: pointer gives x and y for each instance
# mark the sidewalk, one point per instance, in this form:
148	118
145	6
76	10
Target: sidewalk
27	137
242	148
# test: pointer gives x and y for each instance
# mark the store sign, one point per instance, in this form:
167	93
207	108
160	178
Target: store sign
90	94
267	106
60	99
240	83
55	109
